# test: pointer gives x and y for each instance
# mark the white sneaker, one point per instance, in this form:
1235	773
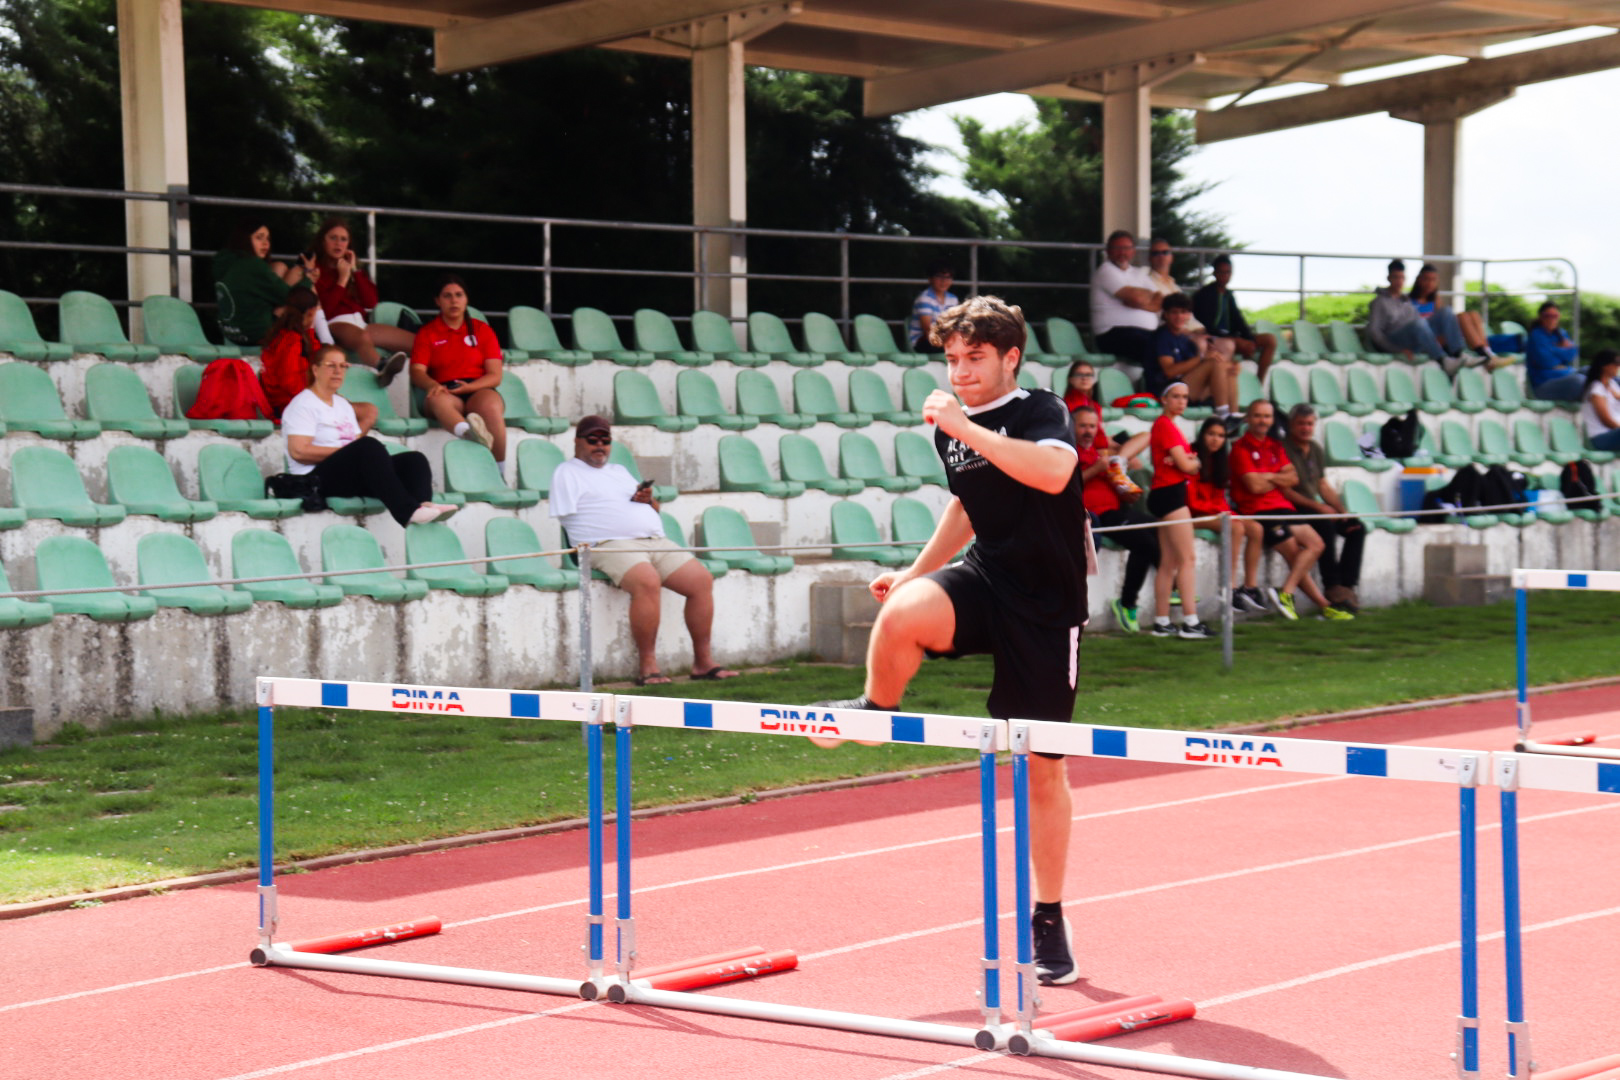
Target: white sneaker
432	512
479	431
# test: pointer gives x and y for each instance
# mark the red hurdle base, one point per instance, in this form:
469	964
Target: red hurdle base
359	939
1106	1020
1603	1068
1579	738
711	970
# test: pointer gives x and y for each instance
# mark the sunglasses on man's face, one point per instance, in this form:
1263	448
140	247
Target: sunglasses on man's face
599	440
1156	252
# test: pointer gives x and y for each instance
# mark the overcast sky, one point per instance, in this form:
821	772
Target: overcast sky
1538	181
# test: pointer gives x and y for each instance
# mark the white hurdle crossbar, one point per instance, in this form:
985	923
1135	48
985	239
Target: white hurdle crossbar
1559	580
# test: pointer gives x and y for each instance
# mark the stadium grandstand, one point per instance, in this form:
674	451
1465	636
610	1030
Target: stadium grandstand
789	441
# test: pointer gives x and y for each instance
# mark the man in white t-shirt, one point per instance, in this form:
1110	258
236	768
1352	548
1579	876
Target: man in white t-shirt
1124	303
600	504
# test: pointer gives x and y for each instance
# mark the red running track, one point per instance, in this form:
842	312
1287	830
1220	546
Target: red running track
1313	920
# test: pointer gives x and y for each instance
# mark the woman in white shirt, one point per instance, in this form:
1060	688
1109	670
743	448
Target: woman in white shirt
1600	401
324	437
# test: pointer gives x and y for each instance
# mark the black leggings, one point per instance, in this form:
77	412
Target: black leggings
365	468
1341	567
1141	551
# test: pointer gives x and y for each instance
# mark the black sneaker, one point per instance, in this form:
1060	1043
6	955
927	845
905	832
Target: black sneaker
1247	600
1197	631
1054	962
862	702
1163	629
390	367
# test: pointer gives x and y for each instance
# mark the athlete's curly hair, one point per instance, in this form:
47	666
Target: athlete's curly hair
983	320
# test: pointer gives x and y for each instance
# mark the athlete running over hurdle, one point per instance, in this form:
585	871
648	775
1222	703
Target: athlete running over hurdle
1020	592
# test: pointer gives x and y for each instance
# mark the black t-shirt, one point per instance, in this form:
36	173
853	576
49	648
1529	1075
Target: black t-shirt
1029	545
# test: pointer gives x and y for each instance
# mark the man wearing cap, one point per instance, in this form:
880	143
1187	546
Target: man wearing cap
600	504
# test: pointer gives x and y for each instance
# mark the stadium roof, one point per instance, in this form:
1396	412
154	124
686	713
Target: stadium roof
917	53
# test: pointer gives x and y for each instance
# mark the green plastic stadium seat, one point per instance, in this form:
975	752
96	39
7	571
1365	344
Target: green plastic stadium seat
1362	389
139	480
1530	441
46	484
20	337
537	459
1308	342
1285	351
801	462
186	382
1469	387
821	335
171	325
570	564
724	527
349	547
115	398
471	470
1339	440
1399	386
1507	389
393	313
1550	513
1455	442
1528	447
915	456
1456	446
858	459
595	333
452	498
1285	392
697	397
757	396
1359	500
1344	339
1435	386
360	384
1565	439
677	536
1328	397
28	402
742	468
262	553
13	517
869	394
91	325
915	386
1494	446
873	335
72	562
912	522
855	536
621	455
813	394
655	333
1113	384
1064	338
229	477
18	614
520	412
767	333
712	333
437	542
1597	511
169	558
1249	390
635	401
1027	379
514	536
534	335
1037	353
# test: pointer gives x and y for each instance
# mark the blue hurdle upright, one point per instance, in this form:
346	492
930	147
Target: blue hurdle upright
1523	582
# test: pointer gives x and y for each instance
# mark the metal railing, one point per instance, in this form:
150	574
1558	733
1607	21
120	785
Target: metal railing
842	249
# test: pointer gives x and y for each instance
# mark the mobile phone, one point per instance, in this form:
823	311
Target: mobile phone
644	485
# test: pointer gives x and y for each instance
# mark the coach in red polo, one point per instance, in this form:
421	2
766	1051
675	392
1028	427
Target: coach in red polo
1260	471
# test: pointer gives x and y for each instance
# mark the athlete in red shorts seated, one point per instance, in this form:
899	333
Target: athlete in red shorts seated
1019	594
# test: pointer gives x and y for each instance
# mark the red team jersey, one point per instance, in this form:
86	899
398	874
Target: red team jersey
448	356
1098	493
1166	434
1257	455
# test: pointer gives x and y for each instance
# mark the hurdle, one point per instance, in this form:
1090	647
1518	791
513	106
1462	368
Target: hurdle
1523	581
1545	772
324	954
963	733
1459	768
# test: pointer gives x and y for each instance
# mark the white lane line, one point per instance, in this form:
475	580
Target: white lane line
122	986
947	1066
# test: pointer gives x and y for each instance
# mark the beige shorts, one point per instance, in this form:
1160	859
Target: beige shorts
616	558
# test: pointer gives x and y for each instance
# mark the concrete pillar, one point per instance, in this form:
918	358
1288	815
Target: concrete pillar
152	75
720	170
1127	155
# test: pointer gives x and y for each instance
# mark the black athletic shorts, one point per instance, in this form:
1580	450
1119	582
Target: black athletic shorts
1037	667
1276	530
1163	501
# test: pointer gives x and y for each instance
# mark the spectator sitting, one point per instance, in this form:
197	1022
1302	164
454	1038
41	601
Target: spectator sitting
1215	307
1394	325
1550	358
599	503
1109	495
1081	388
1177	359
456	366
285	353
1160	254
1600	407
1457	331
1173	463
1312	496
251	287
930	304
326	437
1260	473
347	294
1206	497
1124	304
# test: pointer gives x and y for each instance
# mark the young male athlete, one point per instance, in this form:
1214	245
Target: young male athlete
1019	594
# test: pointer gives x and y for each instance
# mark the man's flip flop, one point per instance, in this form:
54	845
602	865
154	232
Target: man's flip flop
653	678
715	674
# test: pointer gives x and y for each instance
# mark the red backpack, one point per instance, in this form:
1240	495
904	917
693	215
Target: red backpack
230	391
